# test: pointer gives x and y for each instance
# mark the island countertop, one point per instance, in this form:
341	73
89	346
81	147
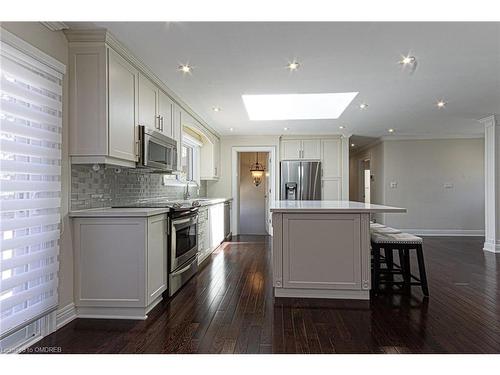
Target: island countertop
331	207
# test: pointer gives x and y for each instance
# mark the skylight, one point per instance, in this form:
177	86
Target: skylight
297	106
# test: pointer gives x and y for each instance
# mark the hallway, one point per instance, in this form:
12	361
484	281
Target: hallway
228	307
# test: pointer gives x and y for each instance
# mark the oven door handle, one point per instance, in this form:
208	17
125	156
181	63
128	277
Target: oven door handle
182	270
176	222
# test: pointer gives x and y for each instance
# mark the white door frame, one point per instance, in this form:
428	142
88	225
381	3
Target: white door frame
235	179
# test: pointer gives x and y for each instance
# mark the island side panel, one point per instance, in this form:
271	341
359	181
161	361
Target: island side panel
322	251
365	252
277	249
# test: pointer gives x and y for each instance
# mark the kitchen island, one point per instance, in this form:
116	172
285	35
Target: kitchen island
321	249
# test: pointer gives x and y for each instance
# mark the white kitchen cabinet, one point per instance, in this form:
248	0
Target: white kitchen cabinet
331	189
311	260
209	158
111	92
311	149
291	149
300	149
156	257
178	115
148	104
210	230
120	265
103	106
331	158
165	111
122	107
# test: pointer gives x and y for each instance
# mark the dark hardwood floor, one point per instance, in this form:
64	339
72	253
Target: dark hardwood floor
229	308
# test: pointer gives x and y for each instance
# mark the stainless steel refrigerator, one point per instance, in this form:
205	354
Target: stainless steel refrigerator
300	180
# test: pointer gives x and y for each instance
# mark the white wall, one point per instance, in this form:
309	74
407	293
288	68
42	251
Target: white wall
222	187
54	43
421	169
252	198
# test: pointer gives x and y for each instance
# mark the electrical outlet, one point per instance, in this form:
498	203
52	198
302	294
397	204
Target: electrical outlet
393	185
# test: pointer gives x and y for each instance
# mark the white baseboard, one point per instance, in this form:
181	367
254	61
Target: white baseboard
65	315
445	232
491	246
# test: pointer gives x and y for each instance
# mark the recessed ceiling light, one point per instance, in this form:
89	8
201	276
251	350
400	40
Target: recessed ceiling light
185	68
406	60
390	130
441	104
363	106
231	129
297	106
352	145
285	129
341	127
216	109
293	66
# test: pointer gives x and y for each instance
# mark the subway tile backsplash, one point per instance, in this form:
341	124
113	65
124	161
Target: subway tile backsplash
107	187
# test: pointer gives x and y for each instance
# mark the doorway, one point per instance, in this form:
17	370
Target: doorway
268	185
367	178
253	193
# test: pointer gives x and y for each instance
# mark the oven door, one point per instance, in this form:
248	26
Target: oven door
183	240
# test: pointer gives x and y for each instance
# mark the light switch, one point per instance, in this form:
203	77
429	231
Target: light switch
448	186
393	185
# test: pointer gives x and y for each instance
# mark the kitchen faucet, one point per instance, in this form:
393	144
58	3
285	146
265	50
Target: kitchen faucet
186	193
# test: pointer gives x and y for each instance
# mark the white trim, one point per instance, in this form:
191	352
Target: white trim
421	137
445	232
344	141
191	141
55	26
235	178
65	315
492	247
15	46
322	293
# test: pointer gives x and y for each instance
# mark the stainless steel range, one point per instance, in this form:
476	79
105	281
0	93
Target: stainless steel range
182	246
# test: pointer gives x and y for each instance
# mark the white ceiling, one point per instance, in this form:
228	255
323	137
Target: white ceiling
458	62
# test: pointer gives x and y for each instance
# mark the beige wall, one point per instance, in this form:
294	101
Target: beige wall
252	198
421	169
54	43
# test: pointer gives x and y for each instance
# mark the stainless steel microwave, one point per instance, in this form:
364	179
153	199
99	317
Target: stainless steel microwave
156	150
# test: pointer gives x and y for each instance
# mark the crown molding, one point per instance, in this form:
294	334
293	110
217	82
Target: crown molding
421	137
490	120
55	26
80	37
11	45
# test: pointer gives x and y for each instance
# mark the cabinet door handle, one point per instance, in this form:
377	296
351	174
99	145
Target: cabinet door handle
161	123
157	123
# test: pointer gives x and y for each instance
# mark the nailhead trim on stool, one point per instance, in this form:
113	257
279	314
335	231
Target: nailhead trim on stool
396	238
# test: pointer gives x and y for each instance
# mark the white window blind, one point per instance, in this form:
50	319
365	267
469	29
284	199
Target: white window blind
30	185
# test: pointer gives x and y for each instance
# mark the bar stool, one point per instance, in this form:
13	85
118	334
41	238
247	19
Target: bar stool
404	243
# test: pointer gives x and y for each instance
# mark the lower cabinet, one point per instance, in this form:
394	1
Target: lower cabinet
120	265
210	230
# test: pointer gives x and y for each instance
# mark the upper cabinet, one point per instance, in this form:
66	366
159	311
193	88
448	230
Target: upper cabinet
333	153
155	107
122	108
300	149
111	93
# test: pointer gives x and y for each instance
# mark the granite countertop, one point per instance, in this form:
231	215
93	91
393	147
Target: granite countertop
138	211
331	207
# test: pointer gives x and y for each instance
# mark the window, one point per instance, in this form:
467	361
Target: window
30	183
190	158
187	162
